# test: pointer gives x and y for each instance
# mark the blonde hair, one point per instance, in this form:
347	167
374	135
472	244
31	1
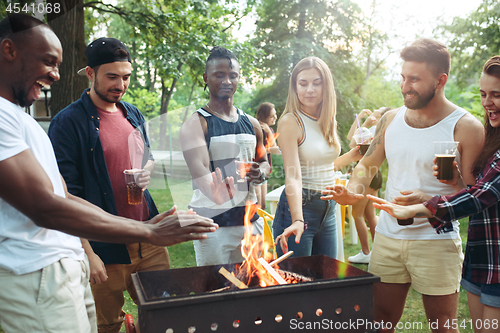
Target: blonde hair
328	107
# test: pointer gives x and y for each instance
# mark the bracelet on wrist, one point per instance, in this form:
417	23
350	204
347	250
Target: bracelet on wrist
298	220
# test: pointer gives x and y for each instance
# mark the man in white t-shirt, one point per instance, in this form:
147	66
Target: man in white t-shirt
411	253
43	271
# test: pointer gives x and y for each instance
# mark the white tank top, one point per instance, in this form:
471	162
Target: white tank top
410	153
315	155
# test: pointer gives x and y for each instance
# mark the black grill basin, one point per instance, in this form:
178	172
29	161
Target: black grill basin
340	299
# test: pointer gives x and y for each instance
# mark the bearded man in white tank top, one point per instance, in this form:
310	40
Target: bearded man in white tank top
415	255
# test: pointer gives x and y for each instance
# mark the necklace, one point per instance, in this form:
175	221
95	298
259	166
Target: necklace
230	117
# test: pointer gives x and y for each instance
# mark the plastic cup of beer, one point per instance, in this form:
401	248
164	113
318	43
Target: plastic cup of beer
363	136
134	191
445	152
242	168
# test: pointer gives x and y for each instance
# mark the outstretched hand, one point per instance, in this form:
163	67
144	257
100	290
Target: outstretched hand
297	229
412	197
170	228
222	190
341	195
398	211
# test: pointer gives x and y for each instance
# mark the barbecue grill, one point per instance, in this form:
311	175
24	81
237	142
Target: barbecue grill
339	299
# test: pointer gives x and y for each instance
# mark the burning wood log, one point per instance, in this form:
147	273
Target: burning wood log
232	278
280	259
289	277
271	271
256	271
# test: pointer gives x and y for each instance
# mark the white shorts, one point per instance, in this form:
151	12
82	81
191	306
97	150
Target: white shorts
54	299
433	267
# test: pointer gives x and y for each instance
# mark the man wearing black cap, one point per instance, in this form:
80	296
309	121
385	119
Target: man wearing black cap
95	140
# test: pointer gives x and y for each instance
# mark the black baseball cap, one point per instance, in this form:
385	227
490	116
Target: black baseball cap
102	51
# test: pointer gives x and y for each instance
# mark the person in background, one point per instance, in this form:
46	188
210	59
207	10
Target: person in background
44	273
405	255
363	210
370	122
481	202
266	115
213	139
311	154
96	139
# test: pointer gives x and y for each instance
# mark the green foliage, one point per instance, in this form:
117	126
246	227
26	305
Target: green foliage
3	7
379	92
473	40
93	23
169	42
468	98
288	31
146	101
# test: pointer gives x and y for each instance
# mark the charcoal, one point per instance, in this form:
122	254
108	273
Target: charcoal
293	276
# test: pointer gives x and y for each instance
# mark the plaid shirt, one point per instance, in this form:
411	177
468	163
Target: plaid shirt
481	203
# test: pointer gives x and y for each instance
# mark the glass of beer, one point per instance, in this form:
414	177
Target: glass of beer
134	191
242	168
445	152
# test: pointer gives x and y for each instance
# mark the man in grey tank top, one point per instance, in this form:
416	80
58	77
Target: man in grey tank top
212	139
414	255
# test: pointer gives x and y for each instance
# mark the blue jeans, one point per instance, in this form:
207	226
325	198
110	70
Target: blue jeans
489	293
320	237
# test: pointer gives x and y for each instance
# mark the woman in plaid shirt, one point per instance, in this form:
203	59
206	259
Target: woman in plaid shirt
481	268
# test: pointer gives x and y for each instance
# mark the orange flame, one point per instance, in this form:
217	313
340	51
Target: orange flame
253	247
271	141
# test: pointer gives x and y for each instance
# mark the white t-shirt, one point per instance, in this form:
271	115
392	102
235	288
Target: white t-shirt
25	247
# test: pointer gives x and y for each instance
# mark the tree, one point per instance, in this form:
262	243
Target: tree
290	30
473	40
68	25
172	39
374	45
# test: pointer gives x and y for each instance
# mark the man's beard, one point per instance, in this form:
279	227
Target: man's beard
419	101
20	97
20	93
102	94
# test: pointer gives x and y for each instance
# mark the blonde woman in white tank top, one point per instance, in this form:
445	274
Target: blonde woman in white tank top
310	149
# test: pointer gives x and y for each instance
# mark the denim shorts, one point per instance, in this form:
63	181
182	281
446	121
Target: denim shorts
320	237
489	293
